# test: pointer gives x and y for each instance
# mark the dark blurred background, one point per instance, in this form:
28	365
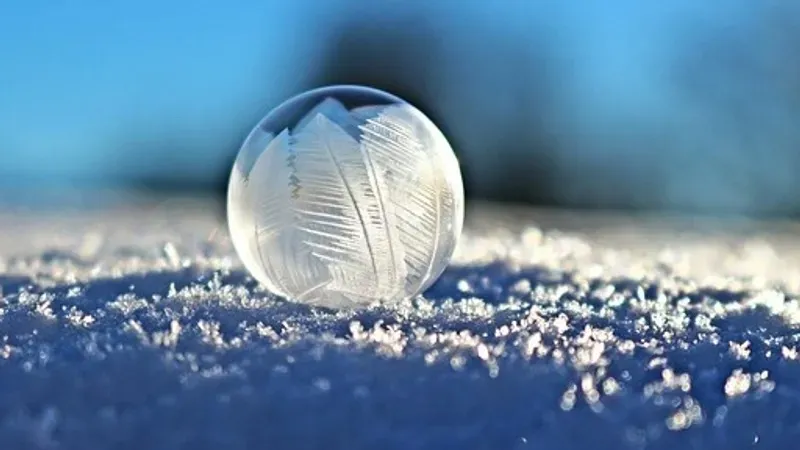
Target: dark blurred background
676	105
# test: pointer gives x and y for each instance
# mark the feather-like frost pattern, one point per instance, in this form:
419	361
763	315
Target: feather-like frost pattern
347	207
341	213
275	227
417	195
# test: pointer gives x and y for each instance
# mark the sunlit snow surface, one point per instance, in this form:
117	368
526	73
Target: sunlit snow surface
136	327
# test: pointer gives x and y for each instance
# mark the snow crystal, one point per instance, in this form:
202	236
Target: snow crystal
550	329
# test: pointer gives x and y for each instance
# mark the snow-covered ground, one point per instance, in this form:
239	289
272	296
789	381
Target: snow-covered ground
133	325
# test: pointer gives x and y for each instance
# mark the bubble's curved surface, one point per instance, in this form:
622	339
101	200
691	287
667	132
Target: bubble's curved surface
343	196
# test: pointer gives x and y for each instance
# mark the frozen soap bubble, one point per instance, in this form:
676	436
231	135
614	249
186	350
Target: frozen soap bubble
343	196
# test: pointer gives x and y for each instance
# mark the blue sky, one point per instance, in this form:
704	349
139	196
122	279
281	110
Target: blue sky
109	90
75	80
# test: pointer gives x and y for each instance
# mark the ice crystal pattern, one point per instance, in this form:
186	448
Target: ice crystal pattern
349	207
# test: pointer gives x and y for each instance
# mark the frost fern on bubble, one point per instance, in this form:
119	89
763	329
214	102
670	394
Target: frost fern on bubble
348	207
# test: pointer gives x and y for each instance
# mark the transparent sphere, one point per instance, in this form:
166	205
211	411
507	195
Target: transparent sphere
343	196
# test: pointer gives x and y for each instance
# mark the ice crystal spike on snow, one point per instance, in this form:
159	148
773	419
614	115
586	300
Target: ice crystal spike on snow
344	196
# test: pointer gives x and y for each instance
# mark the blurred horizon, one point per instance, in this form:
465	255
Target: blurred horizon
619	105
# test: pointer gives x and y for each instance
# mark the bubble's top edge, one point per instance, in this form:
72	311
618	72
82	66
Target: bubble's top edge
374	90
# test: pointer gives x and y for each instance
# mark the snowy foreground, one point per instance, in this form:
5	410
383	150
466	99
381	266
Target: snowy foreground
136	327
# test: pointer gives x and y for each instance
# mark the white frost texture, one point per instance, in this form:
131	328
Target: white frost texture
131	324
349	207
